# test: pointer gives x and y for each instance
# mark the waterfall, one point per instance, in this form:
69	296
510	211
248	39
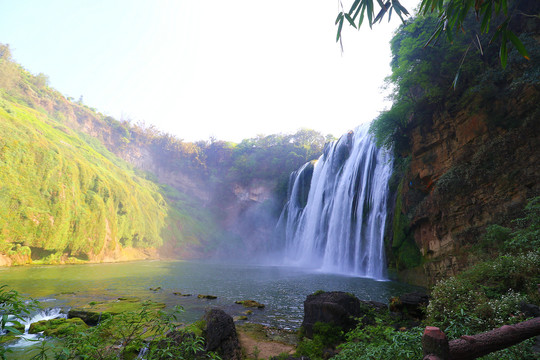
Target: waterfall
336	211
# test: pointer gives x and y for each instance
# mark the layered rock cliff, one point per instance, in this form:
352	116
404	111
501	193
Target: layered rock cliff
464	175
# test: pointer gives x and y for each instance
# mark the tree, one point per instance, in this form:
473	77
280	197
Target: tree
451	17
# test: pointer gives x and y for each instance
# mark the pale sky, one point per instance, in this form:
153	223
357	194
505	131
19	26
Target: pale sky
230	69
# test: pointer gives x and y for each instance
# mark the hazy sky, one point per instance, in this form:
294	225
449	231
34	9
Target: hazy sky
231	69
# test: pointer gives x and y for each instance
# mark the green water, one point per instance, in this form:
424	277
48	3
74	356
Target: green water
282	290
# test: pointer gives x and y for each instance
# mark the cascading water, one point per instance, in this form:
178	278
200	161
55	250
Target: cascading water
335	216
27	339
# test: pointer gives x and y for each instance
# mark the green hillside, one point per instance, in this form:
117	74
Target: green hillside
65	198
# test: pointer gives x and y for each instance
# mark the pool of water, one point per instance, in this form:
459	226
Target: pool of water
282	289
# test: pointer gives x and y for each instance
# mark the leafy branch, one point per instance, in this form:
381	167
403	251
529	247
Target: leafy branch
451	16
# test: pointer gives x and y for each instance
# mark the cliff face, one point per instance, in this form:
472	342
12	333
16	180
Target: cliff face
466	172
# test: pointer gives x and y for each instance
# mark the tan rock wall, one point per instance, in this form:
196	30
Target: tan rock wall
465	173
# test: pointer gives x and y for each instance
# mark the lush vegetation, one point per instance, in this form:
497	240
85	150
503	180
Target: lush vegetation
153	332
64	196
452	73
60	195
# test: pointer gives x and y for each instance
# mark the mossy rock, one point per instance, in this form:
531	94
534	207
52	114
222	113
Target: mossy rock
94	312
58	327
240	318
250	304
211	297
177	293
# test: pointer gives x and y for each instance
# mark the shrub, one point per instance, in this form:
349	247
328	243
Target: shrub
381	342
527	236
325	336
486	296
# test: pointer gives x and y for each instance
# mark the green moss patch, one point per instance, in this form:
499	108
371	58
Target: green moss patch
250	304
58	327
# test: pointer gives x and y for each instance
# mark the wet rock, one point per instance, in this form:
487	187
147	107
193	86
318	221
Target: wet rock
94	312
91	318
250	303
337	308
58	327
177	293
220	334
155	289
202	296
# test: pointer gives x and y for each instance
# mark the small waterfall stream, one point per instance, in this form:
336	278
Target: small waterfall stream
27	339
335	216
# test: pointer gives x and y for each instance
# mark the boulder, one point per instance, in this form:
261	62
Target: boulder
411	304
337	308
220	334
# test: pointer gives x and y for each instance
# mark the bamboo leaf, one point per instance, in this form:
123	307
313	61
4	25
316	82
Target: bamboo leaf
361	17
486	20
354	6
518	44
339	29
350	20
435	34
397	4
381	13
370	12
454	83
339	17
13	330
356	13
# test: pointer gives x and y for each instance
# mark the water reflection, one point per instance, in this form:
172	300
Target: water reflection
283	290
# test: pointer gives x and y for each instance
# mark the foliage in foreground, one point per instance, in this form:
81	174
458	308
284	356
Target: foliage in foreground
452	16
152	333
123	336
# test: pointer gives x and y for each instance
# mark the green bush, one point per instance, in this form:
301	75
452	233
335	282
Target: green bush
527	236
381	342
325	336
486	296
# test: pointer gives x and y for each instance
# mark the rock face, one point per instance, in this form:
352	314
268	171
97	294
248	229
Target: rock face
220	334
467	172
337	308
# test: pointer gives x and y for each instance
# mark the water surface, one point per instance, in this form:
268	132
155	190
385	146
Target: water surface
282	289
